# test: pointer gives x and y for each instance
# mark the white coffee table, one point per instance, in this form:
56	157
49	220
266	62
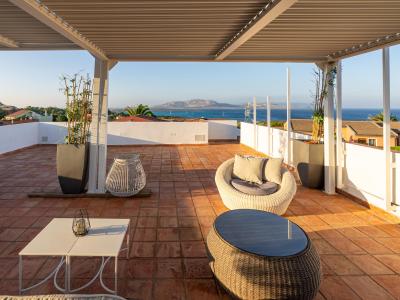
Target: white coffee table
105	239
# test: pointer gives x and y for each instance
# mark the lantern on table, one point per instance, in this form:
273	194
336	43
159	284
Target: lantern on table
81	223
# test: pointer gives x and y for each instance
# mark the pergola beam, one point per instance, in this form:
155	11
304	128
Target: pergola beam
5	41
269	13
112	63
248	58
49	18
379	43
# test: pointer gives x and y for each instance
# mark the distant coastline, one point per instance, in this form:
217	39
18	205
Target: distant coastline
357	114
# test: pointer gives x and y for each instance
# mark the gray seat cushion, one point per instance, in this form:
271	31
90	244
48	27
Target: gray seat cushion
250	188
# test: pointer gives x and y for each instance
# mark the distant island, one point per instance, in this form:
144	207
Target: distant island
212	104
194	104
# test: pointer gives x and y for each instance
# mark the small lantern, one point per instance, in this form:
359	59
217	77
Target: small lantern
81	223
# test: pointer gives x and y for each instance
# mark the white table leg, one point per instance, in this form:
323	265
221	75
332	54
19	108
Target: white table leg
116	273
67	275
128	242
20	274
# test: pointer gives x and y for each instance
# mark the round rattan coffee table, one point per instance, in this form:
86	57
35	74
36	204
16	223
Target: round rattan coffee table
260	255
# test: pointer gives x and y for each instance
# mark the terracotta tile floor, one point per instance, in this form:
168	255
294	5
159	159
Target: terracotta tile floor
359	248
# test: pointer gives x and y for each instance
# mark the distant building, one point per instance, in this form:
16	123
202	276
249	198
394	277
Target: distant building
25	114
366	132
362	132
301	125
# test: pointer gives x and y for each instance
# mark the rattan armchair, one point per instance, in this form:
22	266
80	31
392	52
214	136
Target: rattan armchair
277	202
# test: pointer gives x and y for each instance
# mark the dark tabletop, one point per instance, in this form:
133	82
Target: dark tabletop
261	233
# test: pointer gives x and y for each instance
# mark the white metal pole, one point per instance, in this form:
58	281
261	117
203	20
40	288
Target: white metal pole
20	267
329	136
255	122
386	126
288	118
269	126
339	139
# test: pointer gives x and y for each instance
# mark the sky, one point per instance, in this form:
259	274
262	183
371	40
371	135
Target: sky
32	78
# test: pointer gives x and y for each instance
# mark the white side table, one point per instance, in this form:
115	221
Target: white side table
105	239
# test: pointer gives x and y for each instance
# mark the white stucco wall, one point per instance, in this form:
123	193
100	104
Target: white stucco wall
17	136
247	134
142	133
364	173
136	133
223	130
52	132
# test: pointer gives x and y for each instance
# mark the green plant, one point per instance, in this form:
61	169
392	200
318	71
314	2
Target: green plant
139	110
396	148
2	114
379	117
323	80
78	92
274	123
60	118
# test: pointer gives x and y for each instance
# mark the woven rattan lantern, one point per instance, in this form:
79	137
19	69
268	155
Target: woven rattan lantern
126	176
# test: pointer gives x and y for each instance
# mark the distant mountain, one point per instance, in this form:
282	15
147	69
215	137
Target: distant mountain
195	104
212	104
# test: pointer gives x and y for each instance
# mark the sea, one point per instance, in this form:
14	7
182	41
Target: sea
276	114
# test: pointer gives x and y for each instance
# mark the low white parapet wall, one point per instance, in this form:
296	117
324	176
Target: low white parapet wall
364	174
136	133
223	130
145	133
364	166
14	137
17	136
52	132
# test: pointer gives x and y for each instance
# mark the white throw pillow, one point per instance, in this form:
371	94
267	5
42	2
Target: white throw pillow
273	170
248	168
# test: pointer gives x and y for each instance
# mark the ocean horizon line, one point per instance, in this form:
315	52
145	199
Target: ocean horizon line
278	114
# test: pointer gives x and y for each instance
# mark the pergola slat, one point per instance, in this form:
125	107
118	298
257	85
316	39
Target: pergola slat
155	30
40	12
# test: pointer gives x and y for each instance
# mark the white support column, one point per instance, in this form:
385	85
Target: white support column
98	128
339	138
269	138
288	119
255	138
386	127
329	136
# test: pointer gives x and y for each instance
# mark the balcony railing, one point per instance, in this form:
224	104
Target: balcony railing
363	167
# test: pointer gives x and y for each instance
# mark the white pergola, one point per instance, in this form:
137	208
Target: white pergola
316	31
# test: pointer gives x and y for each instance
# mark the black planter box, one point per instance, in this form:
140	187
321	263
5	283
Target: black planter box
309	160
72	167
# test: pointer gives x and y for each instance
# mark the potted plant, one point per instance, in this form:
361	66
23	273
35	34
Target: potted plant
308	156
73	155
